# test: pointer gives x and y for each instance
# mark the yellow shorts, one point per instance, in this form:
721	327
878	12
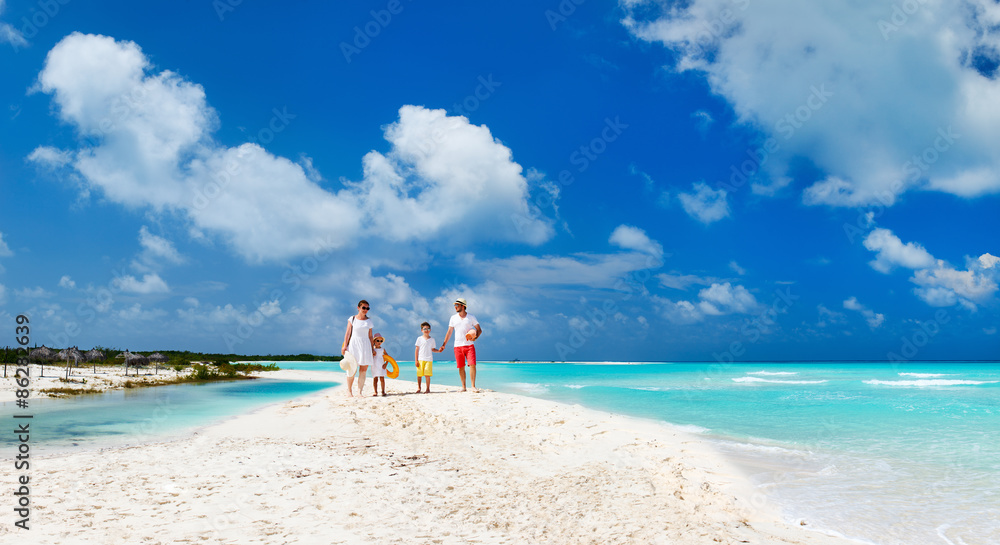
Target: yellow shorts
425	369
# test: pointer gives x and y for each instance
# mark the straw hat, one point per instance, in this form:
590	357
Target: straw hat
349	364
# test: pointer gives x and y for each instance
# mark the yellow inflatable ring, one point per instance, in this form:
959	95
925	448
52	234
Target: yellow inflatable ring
394	371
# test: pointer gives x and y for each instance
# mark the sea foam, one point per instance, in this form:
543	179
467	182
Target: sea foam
926	382
529	387
757	379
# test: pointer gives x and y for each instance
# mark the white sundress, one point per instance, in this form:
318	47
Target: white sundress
376	369
360	346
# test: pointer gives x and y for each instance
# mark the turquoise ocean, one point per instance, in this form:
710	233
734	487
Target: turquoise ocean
894	454
887	453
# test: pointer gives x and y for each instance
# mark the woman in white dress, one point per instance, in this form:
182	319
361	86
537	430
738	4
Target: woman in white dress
358	341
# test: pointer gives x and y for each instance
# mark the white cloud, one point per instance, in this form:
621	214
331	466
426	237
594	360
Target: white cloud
156	249
736	268
892	252
874	320
4	249
3	294
148	144
214	316
150	283
943	285
837	83
682	281
50	157
66	282
633	238
677	312
270	308
32	293
988	261
940	284
725	298
10	34
716	300
706	205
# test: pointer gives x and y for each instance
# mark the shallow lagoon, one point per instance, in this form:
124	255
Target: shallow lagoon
137	415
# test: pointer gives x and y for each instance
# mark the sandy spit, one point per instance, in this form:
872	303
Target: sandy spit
446	467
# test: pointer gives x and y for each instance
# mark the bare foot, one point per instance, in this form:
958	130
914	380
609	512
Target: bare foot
427	391
418	391
463	389
376	394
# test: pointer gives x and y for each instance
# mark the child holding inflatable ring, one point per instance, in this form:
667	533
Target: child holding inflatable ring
378	368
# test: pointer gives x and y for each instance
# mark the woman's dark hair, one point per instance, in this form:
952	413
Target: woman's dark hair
363	302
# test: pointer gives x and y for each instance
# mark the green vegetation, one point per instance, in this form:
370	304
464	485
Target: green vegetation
59	392
182	355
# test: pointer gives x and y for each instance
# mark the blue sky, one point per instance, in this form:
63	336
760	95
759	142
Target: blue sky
712	180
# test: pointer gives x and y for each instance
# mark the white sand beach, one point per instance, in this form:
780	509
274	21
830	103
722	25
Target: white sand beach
83	378
445	467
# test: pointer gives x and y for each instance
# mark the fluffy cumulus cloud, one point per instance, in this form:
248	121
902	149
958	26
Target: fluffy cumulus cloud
716	300
677	312
938	283
882	99
633	238
943	285
157	249
146	143
891	252
705	204
149	284
874	319
727	299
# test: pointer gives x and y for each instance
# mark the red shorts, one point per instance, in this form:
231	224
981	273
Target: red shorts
463	353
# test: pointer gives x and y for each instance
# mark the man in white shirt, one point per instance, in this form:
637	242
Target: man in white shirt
466	329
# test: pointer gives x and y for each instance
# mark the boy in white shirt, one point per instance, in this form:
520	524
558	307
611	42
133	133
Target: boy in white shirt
423	357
